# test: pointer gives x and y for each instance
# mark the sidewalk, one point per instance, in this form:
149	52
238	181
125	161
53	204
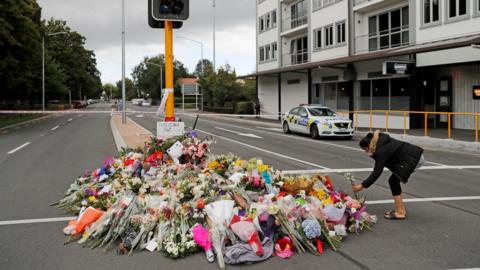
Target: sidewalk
128	135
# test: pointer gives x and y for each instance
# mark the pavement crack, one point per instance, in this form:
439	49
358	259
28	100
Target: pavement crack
352	260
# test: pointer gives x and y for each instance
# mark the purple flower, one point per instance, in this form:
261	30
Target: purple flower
89	192
193	133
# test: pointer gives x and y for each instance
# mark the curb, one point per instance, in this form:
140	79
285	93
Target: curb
117	137
28	122
146	131
435	144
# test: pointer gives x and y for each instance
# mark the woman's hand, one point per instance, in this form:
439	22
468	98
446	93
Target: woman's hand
357	187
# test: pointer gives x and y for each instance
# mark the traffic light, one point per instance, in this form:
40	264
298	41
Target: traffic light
169	10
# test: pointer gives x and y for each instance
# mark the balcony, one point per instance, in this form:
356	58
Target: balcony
382	40
294	23
363	6
296	58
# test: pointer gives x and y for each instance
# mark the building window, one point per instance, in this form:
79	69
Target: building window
267	21
431	11
299	50
384	94
298	13
340	27
267	52
457	9
388	30
274	50
274	18
261	26
328	2
262	54
317	4
380	94
328	30
317	38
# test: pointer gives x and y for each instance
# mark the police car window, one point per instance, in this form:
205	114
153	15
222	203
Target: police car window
294	110
302	112
321	112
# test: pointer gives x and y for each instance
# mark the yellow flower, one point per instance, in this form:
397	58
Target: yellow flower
212	165
261	168
327	201
92	199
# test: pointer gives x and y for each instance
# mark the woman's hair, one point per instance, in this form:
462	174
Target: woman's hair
365	141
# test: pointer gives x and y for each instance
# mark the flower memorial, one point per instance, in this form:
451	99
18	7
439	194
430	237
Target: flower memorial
176	197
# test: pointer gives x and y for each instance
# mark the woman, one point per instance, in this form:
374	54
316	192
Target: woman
399	157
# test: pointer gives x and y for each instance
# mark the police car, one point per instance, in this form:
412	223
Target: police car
317	121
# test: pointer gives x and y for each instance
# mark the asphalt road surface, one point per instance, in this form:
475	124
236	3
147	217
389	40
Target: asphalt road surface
436	234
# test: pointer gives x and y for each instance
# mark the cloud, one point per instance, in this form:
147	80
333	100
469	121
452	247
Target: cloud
100	23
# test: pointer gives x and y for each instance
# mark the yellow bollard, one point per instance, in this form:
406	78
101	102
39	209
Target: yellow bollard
386	121
426	124
404	123
476	128
449	125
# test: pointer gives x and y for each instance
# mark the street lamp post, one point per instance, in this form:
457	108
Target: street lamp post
201	48
43	65
124	113
161	73
213	5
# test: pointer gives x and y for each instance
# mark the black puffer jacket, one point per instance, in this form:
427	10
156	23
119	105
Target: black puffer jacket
399	157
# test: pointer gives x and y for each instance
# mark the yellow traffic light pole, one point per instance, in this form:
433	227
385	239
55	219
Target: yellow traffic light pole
170	103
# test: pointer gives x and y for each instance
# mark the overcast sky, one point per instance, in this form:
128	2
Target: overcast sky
100	22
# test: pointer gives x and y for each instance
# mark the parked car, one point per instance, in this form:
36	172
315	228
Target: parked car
137	101
78	104
147	103
317	121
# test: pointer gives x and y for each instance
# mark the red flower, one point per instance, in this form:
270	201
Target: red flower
200	204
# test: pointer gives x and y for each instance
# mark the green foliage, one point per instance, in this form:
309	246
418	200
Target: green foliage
244	107
146	75
111	90
130	89
68	65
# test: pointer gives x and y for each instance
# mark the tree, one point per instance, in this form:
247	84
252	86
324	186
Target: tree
111	90
207	68
130	89
78	63
146	76
20	50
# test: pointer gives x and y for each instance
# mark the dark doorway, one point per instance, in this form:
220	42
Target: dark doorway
443	101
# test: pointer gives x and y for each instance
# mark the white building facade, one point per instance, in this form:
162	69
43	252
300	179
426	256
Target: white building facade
363	55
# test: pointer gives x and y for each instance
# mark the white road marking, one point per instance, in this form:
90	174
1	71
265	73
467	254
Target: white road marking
69	119
274	129
251	135
139	115
38	220
434	199
55	127
423	168
264	150
303	139
411	200
18	148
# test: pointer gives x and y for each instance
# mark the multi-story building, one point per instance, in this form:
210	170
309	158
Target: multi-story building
362	55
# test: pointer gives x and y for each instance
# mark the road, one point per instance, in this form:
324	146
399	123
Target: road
435	235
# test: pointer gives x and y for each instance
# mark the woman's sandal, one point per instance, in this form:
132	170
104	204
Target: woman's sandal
392	215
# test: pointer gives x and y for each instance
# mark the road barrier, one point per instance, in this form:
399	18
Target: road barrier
405	114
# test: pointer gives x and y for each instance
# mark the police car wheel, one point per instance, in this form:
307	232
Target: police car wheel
314	132
286	128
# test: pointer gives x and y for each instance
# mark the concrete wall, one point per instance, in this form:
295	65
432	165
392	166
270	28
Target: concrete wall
294	94
268	96
447	29
336	12
268	36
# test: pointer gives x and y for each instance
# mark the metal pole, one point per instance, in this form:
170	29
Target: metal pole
213	5
161	81
70	98
196	97
203	71
124	115
183	97
43	73
170	105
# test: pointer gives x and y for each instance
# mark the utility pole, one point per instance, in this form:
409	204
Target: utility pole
124	114
170	103
213	5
